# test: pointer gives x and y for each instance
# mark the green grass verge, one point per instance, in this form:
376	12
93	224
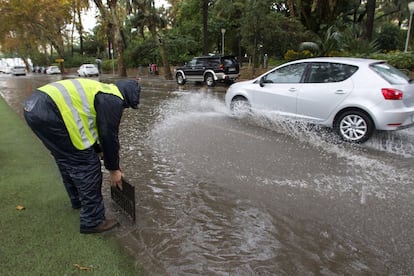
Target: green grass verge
44	238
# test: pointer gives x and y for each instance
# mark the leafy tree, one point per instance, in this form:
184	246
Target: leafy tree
78	6
188	22
147	16
327	43
113	16
28	24
266	30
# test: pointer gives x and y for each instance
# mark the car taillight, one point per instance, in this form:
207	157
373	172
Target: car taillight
221	66
392	94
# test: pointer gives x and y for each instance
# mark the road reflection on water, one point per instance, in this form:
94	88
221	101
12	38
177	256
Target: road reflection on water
260	195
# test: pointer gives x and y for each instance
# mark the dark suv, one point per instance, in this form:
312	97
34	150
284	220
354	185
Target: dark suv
209	69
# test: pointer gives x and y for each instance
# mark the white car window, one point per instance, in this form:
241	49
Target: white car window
323	72
287	74
391	74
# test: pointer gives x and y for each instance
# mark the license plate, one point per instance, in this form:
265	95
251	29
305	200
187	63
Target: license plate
232	69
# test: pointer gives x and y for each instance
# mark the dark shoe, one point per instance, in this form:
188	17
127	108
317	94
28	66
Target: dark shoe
105	225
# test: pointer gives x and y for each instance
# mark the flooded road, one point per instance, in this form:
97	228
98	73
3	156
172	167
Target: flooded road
217	195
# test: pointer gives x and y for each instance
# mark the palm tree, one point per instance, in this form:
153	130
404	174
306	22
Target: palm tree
326	43
114	20
147	15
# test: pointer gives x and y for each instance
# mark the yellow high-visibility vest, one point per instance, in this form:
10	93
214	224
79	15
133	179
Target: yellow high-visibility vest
74	98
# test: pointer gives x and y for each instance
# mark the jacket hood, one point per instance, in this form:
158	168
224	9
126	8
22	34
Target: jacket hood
130	90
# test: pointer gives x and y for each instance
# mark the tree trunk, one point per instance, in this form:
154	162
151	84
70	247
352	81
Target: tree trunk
165	62
305	16
111	16
291	5
369	26
80	28
205	29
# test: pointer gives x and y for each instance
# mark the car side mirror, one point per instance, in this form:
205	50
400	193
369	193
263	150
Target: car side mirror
261	82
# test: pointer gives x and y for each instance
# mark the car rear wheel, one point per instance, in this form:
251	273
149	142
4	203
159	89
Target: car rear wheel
354	126
209	80
240	106
180	79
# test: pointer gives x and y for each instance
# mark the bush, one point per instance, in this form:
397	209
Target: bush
294	55
108	65
400	60
77	60
390	37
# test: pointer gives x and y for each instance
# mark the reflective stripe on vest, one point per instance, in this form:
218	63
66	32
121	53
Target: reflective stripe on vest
75	101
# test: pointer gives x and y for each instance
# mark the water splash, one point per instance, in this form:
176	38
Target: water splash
366	171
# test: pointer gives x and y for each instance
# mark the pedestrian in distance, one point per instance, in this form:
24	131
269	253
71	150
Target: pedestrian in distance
78	120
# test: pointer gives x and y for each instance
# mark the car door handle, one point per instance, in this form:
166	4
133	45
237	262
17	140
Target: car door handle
340	91
292	89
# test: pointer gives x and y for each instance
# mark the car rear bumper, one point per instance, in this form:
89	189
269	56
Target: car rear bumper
223	76
395	119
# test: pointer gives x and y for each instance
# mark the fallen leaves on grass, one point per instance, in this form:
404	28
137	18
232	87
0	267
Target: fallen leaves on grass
84	268
20	207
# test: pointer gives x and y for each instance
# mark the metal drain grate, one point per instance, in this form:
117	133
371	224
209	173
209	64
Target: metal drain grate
125	198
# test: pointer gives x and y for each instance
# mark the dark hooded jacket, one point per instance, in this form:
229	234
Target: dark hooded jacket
109	109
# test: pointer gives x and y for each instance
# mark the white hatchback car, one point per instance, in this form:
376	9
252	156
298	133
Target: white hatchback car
88	70
51	70
353	96
18	70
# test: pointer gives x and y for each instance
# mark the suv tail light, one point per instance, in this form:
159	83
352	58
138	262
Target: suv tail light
392	94
221	66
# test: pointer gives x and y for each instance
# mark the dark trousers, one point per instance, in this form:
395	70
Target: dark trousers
80	169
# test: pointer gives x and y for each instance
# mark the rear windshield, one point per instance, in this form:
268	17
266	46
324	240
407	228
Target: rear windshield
390	73
229	61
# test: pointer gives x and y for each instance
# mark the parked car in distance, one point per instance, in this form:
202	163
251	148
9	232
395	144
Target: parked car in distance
88	70
6	69
209	69
353	96
18	70
52	70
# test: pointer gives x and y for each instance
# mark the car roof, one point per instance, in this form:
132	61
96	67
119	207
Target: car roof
216	56
346	60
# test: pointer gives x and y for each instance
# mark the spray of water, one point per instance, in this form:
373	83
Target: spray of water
369	174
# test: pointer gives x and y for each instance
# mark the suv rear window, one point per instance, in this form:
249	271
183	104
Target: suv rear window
390	73
229	61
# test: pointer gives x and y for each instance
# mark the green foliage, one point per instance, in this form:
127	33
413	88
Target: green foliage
400	60
355	44
329	41
276	33
109	65
188	24
77	60
253	28
93	46
294	55
141	52
390	38
40	58
181	48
